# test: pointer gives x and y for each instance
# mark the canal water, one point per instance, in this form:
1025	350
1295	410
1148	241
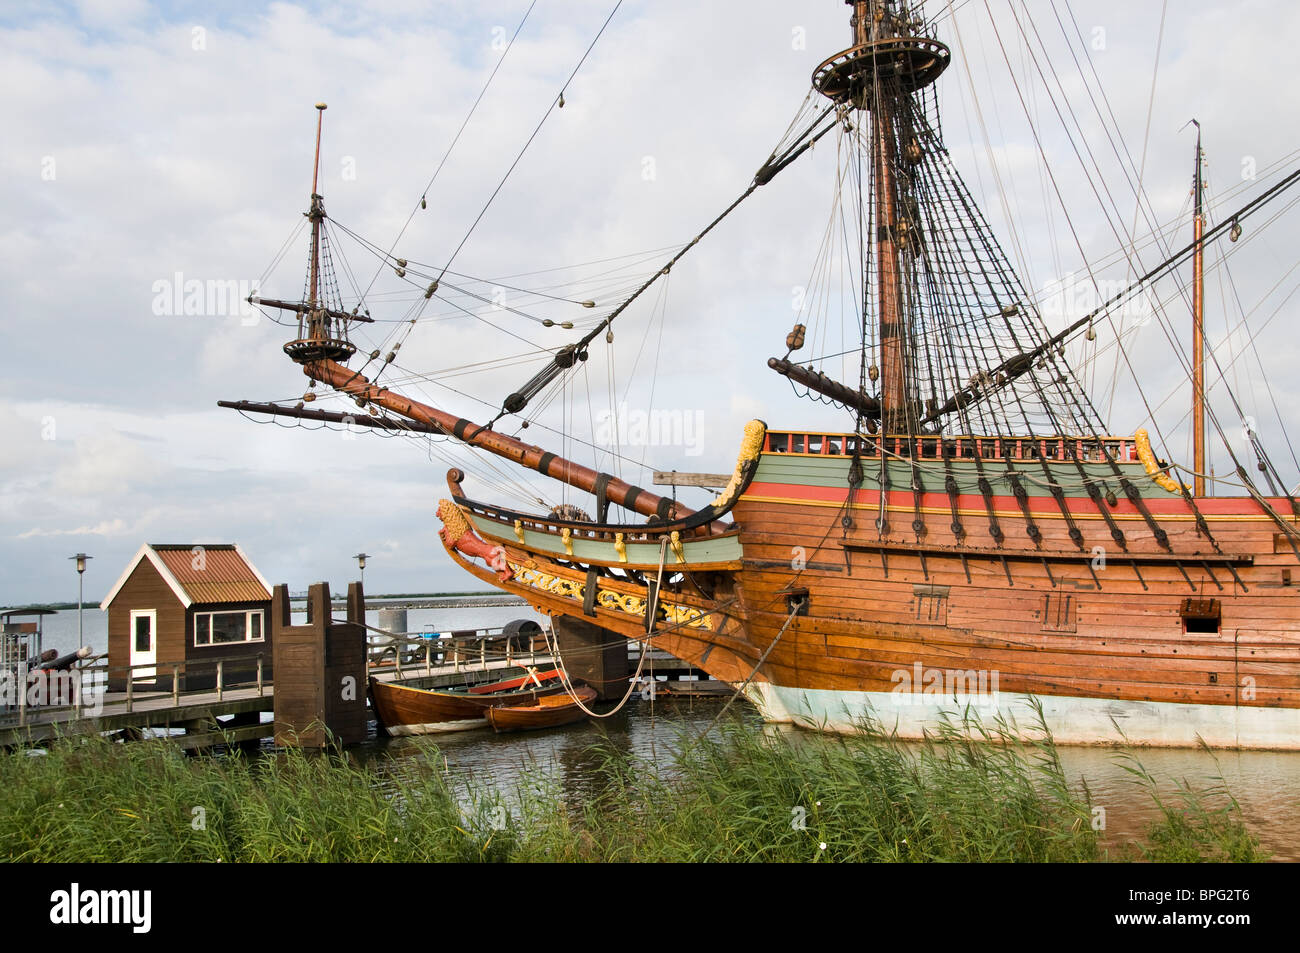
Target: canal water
1266	785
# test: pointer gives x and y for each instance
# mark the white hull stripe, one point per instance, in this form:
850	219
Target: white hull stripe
1076	721
436	727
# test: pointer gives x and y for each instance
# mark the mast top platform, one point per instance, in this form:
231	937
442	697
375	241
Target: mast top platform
885	51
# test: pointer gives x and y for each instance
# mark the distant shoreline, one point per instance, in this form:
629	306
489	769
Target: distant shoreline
299	597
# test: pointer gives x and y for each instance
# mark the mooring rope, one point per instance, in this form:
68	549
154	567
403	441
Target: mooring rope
794	610
651	609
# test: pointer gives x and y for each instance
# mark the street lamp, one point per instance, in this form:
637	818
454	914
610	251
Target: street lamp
361	562
81	575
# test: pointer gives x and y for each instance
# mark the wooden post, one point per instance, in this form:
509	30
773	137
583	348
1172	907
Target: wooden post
130	687
259	674
299	667
428	662
221	675
176	682
594	655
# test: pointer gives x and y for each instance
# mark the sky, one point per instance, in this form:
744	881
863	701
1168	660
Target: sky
151	149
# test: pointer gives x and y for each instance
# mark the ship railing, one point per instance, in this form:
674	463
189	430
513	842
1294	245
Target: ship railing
510	520
956	447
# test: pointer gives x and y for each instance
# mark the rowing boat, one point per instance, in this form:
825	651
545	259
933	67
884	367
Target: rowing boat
549	711
406	710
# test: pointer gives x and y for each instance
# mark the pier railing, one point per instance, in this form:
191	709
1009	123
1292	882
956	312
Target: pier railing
86	686
412	652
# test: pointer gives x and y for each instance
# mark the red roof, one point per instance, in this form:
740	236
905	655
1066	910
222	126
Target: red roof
225	575
201	573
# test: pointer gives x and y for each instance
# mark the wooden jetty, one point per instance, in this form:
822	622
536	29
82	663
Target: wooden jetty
230	697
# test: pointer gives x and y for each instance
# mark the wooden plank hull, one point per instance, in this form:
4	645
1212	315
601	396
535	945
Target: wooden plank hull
1105	631
547	712
403	710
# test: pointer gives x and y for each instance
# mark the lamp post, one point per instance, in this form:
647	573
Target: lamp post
81	576
361	562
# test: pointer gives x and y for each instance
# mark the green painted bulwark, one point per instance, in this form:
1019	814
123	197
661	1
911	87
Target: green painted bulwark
712	549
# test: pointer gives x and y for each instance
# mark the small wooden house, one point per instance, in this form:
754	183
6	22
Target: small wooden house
178	609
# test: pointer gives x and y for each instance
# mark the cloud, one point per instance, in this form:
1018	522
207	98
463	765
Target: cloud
136	152
111	528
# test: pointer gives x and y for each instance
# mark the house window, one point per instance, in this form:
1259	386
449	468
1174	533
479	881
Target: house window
225	628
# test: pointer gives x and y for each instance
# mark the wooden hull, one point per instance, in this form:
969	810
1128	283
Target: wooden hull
546	712
1142	643
403	710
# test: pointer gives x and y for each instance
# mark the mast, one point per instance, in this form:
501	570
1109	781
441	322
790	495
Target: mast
326	333
877	75
315	215
1198	325
325	345
889	303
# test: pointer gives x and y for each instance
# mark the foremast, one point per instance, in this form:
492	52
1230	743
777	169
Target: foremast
322	344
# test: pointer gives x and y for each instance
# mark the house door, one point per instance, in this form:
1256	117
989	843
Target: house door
144	643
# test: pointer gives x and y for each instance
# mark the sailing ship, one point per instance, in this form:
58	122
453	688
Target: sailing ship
975	540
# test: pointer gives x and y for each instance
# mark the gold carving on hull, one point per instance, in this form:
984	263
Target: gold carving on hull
750	447
675	613
678	550
1162	479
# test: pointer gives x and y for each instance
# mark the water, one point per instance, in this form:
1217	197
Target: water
1266	784
566	757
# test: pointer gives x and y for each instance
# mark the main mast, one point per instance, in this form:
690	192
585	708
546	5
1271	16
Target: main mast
1198	326
877	76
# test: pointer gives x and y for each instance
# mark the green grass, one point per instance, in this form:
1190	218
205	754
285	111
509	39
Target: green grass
740	794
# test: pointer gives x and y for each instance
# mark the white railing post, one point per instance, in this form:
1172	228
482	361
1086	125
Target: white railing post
221	677
259	674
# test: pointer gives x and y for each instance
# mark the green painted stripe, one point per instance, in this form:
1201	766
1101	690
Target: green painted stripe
711	549
832	471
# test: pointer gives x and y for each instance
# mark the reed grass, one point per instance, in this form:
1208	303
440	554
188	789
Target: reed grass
971	792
